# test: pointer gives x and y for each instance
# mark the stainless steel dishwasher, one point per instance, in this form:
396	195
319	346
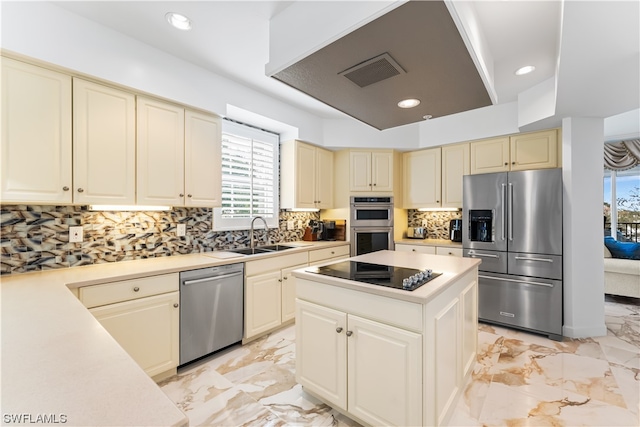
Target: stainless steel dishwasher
211	310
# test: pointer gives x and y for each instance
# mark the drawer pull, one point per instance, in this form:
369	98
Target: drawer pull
521	258
332	252
339	329
473	255
524	282
136	289
175	305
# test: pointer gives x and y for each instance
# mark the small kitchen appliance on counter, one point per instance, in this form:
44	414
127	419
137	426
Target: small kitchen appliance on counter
416	233
455	230
334	229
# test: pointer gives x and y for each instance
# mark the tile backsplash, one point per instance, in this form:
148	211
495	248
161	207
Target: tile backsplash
437	223
35	238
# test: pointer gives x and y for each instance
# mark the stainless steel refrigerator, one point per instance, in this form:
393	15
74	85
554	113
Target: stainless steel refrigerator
513	222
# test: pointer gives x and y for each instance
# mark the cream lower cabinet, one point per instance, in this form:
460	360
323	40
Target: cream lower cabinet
325	255
433	250
35	161
385	361
342	363
269	297
143	316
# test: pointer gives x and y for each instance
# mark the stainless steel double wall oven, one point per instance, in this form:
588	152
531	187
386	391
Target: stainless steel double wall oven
371	224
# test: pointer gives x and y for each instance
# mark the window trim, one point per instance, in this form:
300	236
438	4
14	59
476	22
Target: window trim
247	131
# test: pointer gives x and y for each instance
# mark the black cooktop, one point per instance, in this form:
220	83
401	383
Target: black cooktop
408	279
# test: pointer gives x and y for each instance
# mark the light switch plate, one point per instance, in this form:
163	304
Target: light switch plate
181	230
291	224
76	234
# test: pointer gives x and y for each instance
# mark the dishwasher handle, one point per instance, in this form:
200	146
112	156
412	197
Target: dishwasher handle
210	278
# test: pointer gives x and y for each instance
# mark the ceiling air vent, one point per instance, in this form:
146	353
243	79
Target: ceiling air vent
373	70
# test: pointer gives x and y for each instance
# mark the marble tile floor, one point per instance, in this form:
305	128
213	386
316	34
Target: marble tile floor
520	379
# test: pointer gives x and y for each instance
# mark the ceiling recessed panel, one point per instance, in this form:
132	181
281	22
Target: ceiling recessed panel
414	51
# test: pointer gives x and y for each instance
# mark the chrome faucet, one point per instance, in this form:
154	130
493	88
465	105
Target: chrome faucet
266	227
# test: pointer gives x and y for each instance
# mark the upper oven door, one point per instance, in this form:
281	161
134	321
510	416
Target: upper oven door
368	212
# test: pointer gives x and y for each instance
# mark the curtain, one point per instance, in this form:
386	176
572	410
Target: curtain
622	155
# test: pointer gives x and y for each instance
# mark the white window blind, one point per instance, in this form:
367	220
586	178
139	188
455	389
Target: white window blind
249	177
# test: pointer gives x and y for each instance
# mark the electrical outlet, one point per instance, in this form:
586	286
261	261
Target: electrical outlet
291	224
76	234
424	223
181	230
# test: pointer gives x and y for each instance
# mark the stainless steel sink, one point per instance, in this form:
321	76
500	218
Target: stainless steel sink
276	247
260	249
249	251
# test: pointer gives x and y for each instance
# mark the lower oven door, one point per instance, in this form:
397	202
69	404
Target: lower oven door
524	302
371	239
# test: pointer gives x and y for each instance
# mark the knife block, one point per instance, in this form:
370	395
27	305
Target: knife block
309	236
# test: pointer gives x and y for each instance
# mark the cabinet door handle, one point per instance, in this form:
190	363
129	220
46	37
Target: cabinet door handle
437	201
181	195
65	188
280	280
513	163
506	163
80	190
189	195
136	289
374	184
339	329
286	277
175	305
349	333
413	250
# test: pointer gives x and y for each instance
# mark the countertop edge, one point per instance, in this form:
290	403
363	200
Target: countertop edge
84	373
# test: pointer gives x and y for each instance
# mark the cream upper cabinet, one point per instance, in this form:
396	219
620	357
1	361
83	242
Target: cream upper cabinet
306	176
324	178
160	149
491	155
202	152
36	134
104	144
537	150
422	179
370	170
455	164
525	151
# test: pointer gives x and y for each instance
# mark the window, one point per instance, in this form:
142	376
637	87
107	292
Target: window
622	204
249	177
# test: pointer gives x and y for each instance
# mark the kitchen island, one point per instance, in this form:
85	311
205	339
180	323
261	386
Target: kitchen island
386	356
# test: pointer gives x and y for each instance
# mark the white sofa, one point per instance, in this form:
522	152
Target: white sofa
621	276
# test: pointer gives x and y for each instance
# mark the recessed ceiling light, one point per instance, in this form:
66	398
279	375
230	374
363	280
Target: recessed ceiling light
409	103
179	21
525	70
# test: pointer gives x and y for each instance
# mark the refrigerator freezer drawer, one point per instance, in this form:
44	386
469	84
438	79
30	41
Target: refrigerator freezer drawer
493	261
548	266
534	304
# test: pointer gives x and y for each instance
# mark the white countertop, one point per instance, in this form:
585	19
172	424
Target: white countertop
451	268
57	358
430	242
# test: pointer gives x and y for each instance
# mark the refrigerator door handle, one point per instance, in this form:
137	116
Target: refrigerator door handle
521	258
504	217
546	285
510	207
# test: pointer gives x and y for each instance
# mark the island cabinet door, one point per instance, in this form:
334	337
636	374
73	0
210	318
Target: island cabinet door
385	373
321	347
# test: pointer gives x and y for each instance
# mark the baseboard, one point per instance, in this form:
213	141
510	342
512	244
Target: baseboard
584	332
